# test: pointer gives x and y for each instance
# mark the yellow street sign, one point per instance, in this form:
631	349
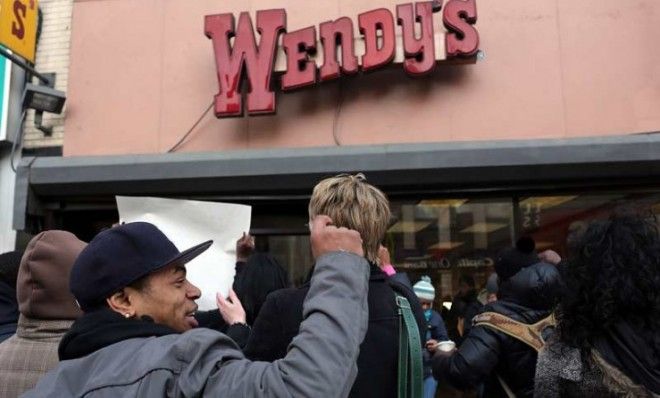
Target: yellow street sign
18	26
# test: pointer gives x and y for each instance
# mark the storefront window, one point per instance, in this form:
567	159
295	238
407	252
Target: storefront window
550	220
444	238
448	238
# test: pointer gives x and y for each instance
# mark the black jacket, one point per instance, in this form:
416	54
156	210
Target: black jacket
467	307
528	297
281	315
436	330
8	311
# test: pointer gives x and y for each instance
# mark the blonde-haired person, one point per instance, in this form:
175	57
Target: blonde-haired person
351	202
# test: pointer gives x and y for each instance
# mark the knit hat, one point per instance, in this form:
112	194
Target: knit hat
512	259
424	289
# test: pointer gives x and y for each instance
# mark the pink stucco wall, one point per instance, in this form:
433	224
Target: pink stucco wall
142	72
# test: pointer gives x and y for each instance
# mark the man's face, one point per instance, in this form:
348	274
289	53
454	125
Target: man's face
168	298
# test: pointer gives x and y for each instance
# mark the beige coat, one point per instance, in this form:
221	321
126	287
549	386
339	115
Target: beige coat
29	354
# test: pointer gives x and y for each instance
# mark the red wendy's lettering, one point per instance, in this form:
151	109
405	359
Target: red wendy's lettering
371	24
332	33
300	71
459	18
258	60
253	60
420	53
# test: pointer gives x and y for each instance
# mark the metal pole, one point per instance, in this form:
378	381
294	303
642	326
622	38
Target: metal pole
18	61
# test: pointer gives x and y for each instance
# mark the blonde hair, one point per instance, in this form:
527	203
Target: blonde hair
353	203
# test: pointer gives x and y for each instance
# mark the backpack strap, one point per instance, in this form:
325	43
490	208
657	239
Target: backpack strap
528	334
410	370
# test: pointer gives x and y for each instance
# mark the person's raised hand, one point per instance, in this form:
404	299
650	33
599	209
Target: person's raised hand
230	308
244	247
326	238
384	256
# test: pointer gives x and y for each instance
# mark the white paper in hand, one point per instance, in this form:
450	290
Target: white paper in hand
189	222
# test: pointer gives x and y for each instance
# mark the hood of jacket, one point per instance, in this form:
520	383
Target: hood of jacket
536	287
99	329
43	277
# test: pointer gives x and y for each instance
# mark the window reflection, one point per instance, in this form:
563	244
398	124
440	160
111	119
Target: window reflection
445	238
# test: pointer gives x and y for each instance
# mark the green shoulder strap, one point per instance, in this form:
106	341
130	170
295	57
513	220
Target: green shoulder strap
410	352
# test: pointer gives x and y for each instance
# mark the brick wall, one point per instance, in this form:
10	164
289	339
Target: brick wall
52	56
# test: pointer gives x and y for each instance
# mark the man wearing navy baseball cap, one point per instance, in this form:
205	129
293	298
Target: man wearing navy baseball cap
137	336
112	272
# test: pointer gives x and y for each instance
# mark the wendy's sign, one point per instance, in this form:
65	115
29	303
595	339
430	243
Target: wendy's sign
303	60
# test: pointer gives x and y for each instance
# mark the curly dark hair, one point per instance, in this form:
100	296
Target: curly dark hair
612	275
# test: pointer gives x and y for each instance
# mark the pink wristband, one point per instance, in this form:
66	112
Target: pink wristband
388	269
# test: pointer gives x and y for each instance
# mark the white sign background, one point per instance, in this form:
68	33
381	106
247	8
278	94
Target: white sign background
188	223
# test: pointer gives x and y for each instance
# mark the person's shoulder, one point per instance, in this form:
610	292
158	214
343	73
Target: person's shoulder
402	278
9	345
400	288
184	346
506	308
289	293
196	336
395	288
287	298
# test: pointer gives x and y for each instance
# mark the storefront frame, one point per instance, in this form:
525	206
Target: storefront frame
46	184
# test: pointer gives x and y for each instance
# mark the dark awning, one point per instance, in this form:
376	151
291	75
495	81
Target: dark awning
496	166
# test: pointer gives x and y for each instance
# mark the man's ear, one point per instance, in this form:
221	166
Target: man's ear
121	302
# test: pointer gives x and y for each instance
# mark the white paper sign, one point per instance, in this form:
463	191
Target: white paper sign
188	223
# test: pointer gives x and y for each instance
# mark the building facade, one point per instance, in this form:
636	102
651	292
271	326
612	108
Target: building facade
551	124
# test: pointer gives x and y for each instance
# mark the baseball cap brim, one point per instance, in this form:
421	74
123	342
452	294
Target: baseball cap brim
189	254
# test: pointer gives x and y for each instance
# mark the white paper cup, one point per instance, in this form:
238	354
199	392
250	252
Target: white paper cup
446	346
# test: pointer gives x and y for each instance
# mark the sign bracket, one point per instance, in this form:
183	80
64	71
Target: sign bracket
18	61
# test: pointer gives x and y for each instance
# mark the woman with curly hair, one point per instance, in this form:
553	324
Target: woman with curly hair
608	340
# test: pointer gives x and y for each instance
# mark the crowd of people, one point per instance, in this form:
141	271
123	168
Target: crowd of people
117	316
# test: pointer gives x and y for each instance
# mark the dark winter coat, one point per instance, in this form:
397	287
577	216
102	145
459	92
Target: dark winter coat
528	297
255	280
8	311
281	314
436	330
29	354
466	306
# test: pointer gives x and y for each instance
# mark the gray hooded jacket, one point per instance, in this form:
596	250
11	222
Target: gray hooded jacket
201	362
